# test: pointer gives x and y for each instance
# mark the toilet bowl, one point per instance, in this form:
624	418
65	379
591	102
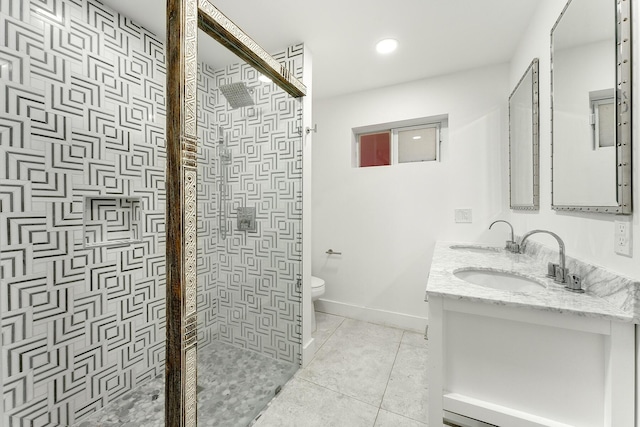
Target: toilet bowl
317	287
317	290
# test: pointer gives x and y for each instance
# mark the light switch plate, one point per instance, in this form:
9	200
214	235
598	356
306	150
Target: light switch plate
462	215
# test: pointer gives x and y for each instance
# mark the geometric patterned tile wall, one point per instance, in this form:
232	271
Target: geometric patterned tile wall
81	114
258	296
207	209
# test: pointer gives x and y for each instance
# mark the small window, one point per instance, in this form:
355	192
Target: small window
418	144
603	118
375	149
409	141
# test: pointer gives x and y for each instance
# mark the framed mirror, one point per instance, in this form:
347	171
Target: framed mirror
524	137
591	107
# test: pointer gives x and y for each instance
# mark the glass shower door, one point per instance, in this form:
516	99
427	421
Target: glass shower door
249	240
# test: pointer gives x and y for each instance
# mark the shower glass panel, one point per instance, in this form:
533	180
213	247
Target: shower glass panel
249	239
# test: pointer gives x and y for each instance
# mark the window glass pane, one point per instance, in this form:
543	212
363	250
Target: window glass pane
606	124
603	118
375	149
417	145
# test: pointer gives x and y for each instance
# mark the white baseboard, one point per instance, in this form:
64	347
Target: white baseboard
308	351
372	315
489	412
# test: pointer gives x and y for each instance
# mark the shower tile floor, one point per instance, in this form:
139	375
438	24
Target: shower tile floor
362	375
234	385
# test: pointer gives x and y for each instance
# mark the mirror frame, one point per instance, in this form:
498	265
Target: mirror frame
184	17
623	114
535	138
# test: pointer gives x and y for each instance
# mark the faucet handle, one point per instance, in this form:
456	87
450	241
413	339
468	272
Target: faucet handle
561	274
557	273
551	269
574	283
512	246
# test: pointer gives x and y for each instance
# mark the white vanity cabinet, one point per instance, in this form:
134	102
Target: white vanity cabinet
547	357
513	366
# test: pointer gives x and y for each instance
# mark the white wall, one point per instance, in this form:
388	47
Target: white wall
385	220
588	237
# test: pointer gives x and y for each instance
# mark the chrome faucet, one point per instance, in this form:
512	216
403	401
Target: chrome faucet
558	272
511	245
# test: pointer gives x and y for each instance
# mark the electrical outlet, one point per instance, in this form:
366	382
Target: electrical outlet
462	215
622	238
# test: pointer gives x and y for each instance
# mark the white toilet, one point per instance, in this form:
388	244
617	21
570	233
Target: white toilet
317	290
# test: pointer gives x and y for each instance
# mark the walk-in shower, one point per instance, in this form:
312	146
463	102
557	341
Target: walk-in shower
90	203
248	282
249	314
256	151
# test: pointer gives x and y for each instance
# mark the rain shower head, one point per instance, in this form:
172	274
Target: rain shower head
237	94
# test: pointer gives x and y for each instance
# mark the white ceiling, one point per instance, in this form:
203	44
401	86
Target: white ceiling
435	36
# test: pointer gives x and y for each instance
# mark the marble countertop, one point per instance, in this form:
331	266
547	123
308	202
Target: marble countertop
442	282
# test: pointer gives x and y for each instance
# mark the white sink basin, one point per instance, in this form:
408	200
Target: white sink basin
476	248
504	280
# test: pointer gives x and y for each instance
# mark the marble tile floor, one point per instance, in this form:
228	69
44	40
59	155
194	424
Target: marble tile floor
362	375
234	385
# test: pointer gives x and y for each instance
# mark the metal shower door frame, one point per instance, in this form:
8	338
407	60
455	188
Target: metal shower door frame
184	17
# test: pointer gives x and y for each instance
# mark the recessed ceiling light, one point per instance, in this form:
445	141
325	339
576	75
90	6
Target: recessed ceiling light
264	79
417	137
386	46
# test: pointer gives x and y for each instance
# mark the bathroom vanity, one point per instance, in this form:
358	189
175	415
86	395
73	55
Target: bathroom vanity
534	355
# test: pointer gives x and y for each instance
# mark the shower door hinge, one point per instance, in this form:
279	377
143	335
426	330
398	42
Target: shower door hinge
299	285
